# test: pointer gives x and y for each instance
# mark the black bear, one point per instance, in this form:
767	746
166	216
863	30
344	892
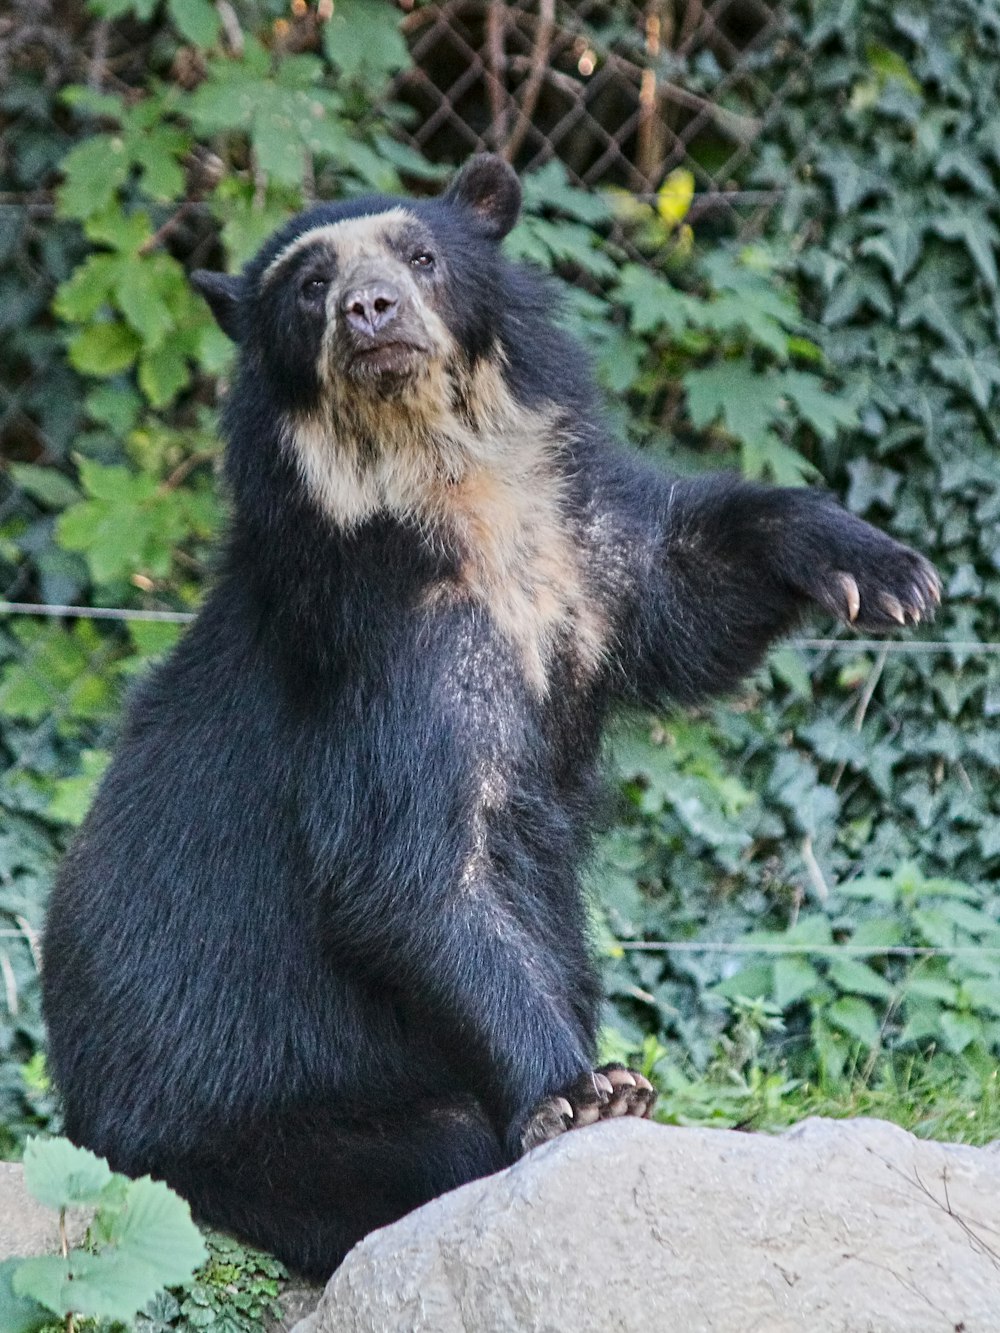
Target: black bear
319	952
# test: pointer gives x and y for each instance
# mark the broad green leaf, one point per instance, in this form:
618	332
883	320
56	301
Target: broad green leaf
19	1314
47	485
363	39
826	412
89	287
898	246
196	20
856	1018
794	978
93	172
104	349
163	372
857	978
960	1030
652	303
850	181
59	1174
746	402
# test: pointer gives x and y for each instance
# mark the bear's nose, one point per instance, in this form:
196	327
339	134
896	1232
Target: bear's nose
371	307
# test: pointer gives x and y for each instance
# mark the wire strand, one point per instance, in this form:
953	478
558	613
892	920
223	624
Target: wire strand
56	610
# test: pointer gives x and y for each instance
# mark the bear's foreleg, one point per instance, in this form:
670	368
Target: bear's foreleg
729	567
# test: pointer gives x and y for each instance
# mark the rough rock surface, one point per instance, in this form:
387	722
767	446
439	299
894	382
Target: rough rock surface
834	1227
26	1227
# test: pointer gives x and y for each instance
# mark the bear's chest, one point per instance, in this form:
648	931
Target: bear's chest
519	557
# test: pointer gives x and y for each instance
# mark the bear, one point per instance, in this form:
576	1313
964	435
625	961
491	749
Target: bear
319	951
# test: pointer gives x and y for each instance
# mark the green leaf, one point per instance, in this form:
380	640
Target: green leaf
152	1244
93	173
652	303
196	20
960	1030
163	372
978	375
363	39
794	978
980	238
747	402
856	1018
851	182
104	349
59	1174
826	412
19	1314
898	246
857	978
47	485
72	796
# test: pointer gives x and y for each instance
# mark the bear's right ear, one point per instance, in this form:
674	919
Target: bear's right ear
488	186
223	294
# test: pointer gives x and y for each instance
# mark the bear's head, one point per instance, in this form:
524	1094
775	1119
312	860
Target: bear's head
367	298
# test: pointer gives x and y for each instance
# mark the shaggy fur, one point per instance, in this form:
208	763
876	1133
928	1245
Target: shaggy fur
318	953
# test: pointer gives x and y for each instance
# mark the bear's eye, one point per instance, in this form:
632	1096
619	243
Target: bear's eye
313	291
423	259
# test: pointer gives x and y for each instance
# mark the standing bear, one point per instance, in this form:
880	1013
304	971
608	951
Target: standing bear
319	951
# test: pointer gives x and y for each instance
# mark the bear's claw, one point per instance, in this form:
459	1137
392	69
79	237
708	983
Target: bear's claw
601	1094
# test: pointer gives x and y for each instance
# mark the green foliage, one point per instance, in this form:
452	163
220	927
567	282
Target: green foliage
235	1291
141	1240
852	342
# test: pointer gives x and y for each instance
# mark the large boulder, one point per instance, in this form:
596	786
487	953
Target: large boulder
834	1227
27	1227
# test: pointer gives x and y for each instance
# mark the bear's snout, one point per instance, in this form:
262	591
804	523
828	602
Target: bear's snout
369	308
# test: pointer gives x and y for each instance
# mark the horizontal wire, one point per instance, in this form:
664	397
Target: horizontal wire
185	617
884	950
93	612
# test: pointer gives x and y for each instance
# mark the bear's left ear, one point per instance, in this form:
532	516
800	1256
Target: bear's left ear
489	188
223	294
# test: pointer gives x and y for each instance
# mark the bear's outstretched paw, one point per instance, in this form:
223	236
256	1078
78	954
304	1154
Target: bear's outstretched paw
901	588
603	1094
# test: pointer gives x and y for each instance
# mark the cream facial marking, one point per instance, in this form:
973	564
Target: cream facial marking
348	239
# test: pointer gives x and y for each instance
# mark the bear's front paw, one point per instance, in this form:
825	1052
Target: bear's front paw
603	1094
894	586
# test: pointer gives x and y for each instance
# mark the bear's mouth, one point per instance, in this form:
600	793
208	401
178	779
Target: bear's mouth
386	359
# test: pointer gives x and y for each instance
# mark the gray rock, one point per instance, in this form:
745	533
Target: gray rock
834	1227
26	1227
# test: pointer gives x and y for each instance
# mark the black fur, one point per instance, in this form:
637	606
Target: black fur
268	978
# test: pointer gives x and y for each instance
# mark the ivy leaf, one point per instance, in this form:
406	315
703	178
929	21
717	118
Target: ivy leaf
850	182
936	310
977	375
826	412
898	246
980	238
